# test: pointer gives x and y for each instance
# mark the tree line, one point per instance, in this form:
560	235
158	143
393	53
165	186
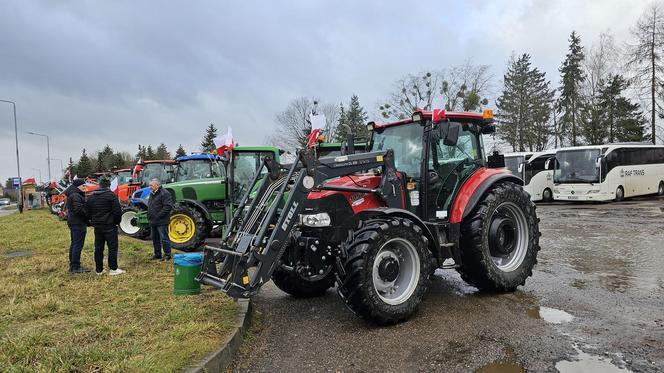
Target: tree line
605	93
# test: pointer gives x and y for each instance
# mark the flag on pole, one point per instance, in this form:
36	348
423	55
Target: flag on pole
226	142
114	185
137	168
317	126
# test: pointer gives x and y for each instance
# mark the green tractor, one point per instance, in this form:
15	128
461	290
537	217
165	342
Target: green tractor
204	187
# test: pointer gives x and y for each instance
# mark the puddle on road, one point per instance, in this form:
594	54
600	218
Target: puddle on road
17	254
550	315
506	365
588	363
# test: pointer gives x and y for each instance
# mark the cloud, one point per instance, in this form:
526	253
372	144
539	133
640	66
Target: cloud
130	72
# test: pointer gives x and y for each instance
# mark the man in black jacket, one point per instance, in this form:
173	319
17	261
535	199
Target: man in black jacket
77	222
103	210
160	206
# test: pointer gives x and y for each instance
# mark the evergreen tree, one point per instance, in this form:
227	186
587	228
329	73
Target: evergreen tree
105	159
180	152
162	152
524	107
84	166
149	153
355	118
142	152
622	120
340	130
570	102
207	145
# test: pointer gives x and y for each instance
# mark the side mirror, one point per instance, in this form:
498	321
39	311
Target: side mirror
452	135
547	164
520	168
598	161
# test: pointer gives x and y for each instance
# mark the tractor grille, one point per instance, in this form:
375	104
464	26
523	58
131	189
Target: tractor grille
189	193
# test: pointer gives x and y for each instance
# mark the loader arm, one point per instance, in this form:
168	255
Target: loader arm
258	234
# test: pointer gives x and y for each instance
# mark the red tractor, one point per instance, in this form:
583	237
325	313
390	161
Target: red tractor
378	224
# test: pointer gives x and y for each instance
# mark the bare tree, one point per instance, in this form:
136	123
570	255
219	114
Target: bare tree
293	124
462	87
644	60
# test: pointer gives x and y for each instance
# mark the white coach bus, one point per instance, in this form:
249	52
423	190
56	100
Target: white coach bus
608	172
538	175
514	162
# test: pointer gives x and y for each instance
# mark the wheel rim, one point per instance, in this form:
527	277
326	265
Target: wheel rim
620	193
396	271
508	237
547	194
181	228
128	222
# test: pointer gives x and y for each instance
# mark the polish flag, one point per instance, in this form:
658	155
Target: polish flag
227	142
114	185
317	126
137	168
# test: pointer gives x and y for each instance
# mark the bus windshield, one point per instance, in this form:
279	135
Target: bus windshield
577	166
512	164
196	169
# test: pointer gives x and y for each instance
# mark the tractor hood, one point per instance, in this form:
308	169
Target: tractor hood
200	190
357	201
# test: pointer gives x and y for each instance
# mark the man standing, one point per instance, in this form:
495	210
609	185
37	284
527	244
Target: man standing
77	222
160	206
103	210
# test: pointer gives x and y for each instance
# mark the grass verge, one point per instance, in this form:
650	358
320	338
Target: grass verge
51	320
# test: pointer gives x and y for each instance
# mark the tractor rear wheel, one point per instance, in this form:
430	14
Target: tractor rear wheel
386	270
129	224
500	240
187	228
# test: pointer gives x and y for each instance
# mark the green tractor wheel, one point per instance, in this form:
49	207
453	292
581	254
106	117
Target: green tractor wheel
129	224
187	229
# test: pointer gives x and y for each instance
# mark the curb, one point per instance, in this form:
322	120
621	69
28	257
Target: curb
219	360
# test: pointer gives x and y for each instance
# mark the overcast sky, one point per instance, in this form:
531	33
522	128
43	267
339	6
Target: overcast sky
90	73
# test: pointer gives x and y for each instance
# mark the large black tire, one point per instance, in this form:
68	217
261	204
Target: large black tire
186	219
660	188
500	240
620	194
129	226
293	284
547	195
368	262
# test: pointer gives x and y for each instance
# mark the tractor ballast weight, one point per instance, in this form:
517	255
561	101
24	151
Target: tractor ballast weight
379	223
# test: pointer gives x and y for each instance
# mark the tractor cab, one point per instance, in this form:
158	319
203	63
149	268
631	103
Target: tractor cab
244	163
156	169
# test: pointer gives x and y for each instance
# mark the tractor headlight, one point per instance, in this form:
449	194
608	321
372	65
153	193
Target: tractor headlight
316	220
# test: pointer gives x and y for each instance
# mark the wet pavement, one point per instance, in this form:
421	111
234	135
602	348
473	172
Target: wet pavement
594	304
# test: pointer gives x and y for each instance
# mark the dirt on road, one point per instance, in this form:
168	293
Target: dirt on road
594	303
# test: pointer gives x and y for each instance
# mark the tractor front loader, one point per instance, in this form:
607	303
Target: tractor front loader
377	224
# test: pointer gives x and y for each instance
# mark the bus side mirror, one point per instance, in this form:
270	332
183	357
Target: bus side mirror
598	161
547	164
520	169
452	135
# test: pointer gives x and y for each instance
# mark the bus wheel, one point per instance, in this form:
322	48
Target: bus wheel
620	194
547	196
660	189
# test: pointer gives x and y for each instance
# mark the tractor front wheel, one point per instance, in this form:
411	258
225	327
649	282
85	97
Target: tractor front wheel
186	228
129	224
386	270
500	240
302	287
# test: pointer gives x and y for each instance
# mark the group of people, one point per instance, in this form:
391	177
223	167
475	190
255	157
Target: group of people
103	212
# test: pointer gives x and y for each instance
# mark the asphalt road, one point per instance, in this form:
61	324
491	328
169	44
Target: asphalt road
594	303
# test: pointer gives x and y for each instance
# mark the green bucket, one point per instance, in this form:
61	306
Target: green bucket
187	267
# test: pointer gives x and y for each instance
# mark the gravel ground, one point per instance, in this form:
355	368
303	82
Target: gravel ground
594	303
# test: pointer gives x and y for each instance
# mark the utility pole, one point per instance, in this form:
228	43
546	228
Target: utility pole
19	199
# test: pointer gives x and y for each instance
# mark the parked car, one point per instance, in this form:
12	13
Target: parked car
5	202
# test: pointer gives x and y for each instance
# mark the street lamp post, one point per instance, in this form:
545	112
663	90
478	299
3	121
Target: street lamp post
48	151
19	198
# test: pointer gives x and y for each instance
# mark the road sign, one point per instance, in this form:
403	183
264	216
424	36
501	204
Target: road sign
16	182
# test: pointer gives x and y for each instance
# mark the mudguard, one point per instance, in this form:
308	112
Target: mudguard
473	189
197	205
404	214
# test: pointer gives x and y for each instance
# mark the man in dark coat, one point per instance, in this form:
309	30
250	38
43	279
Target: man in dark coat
77	222
104	211
160	206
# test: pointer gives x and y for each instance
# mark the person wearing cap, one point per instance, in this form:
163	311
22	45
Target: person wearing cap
77	222
104	211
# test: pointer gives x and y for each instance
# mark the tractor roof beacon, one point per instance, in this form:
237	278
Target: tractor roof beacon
379	223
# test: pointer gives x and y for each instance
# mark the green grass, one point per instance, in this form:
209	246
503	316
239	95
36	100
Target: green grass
51	320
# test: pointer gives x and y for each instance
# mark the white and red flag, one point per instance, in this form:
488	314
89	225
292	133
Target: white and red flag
226	142
137	168
317	126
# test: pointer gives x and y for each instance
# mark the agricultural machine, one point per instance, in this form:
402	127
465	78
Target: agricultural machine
126	185
161	170
379	223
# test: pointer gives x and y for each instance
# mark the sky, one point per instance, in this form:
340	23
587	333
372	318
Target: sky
91	73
